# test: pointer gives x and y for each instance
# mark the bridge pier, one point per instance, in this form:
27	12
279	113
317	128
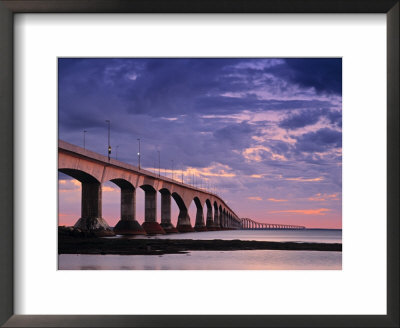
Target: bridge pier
199	224
128	225
91	220
150	224
166	223
216	219
221	218
183	224
209	220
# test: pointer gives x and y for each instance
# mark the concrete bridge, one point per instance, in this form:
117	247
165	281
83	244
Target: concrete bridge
93	169
249	224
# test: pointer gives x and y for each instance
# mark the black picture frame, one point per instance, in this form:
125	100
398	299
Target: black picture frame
10	7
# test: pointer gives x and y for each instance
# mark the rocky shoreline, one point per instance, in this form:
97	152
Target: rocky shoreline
77	242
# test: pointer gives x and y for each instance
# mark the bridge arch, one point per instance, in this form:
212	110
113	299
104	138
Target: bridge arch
91	202
127	224
209	217
199	223
225	216
128	199
166	222
150	223
79	175
221	216
183	224
216	216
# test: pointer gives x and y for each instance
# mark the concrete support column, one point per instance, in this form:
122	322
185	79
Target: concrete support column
91	220
128	204
184	221
216	219
128	225
150	206
209	220
91	200
150	223
166	223
199	224
165	208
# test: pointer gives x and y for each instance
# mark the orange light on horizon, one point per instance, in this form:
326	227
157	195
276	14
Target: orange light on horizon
254	198
319	211
305	179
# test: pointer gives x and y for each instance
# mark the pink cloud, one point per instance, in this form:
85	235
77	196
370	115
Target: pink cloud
319	211
324	197
254	198
305	179
277	200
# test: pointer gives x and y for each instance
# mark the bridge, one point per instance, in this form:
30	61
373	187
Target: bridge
92	170
249	224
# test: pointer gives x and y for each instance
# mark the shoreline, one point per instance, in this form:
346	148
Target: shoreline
103	246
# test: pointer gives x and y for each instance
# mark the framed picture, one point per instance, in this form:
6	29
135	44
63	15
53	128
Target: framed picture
47	56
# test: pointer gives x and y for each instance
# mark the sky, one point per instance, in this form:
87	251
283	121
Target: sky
264	133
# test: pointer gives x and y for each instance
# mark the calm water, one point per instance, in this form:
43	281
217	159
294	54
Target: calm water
222	260
310	236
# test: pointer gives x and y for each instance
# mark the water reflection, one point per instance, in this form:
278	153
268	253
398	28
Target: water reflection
208	260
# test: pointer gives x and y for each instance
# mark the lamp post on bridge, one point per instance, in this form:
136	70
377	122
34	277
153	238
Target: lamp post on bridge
84	139
172	169
138	139
116	152
159	166
109	146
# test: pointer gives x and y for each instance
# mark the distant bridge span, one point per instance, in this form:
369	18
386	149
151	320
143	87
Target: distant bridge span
93	169
249	224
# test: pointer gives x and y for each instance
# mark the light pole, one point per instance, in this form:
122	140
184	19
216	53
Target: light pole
172	169
139	152
159	166
109	146
84	139
116	152
182	174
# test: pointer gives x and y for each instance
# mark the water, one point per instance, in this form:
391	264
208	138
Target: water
301	236
222	260
207	260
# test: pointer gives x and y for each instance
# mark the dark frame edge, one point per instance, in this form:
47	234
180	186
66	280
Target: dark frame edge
6	199
6	165
393	147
